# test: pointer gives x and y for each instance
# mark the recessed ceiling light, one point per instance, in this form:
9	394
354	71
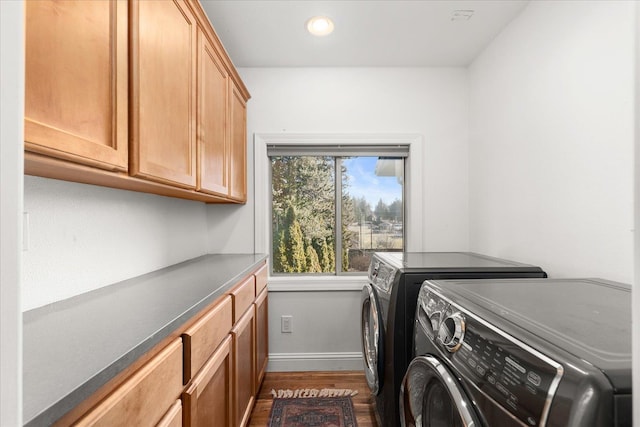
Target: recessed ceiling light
320	25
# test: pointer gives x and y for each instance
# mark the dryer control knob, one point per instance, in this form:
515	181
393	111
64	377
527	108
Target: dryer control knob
451	332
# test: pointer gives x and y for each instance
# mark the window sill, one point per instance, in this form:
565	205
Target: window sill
317	283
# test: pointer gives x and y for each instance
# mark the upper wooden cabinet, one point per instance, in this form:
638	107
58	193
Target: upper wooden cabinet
238	129
213	132
134	94
163	91
76	81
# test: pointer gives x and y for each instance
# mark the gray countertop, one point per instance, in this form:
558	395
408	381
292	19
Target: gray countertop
73	347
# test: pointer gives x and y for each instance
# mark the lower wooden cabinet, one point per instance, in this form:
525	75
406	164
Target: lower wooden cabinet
210	376
262	336
244	366
173	417
146	396
208	400
201	339
243	296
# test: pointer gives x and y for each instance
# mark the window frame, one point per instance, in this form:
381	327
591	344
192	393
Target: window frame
262	184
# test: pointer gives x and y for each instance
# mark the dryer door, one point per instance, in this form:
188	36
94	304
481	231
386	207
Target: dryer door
430	396
372	339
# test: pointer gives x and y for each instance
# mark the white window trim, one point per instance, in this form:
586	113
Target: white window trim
262	185
301	283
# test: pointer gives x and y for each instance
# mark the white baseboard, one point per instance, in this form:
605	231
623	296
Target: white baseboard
293	362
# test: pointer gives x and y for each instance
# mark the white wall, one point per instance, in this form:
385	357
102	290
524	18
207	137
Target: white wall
636	295
11	168
551	140
83	237
429	102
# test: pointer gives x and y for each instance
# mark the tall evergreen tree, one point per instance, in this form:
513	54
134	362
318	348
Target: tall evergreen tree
313	263
327	257
348	217
281	263
306	182
294	242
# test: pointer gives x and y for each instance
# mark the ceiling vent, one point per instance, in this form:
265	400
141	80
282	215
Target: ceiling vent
462	15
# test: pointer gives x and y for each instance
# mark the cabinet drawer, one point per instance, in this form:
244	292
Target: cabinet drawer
144	398
261	279
173	417
243	296
202	338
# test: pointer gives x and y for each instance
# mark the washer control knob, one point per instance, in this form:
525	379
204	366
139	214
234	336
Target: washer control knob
434	321
451	332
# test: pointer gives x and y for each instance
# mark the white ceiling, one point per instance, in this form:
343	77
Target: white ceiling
370	33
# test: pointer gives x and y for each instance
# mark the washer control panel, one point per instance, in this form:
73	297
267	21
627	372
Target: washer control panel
381	275
519	378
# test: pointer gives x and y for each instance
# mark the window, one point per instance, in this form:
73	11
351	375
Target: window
332	206
373	145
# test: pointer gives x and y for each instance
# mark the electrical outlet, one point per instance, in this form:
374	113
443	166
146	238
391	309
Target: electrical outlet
285	324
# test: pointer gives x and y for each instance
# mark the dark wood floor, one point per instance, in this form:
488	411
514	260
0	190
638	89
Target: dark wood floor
354	380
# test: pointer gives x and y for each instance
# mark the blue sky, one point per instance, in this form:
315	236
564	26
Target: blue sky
364	182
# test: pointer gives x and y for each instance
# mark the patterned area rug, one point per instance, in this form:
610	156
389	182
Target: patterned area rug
313	412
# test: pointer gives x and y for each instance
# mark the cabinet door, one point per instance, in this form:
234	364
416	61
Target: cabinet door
244	366
262	337
76	81
145	397
213	142
208	400
163	76
238	143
